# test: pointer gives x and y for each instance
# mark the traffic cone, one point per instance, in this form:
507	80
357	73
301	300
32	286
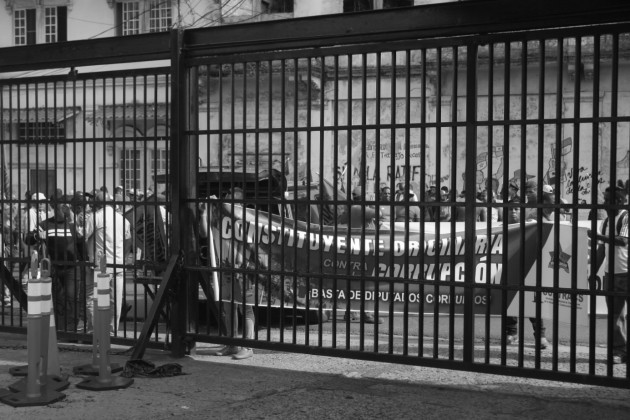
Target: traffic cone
38	388
94	368
104	381
52	360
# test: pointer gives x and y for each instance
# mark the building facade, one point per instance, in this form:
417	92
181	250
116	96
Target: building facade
393	88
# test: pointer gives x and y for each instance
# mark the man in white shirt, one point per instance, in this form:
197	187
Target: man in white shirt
107	233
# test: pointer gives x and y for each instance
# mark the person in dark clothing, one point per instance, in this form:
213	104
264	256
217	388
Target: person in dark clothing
64	248
511	322
514	213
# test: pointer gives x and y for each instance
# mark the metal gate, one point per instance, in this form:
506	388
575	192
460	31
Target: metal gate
397	186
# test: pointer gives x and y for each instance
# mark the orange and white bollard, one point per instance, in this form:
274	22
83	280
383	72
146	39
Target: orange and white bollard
97	324
38	388
51	362
104	381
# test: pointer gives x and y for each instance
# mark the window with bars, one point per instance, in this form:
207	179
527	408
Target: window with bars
130	18
277	6
42	132
160	16
131	168
51	21
24	24
161	161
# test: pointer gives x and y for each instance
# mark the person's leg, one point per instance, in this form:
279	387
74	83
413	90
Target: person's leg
116	300
511	329
248	332
60	309
538	326
70	297
244	286
230	318
89	299
619	316
80	298
539	331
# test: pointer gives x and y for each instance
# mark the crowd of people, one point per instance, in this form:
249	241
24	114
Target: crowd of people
78	227
74	232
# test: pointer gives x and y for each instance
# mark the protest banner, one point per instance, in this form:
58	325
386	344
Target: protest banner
410	268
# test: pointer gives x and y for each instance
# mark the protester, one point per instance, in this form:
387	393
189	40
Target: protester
513	212
495	215
616	224
234	286
482	206
531	198
119	198
385	198
35	212
548	198
511	323
65	249
409	211
107	233
442	213
460	211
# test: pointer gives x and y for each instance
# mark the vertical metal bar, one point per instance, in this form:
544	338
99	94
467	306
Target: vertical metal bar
593	244
294	132
451	169
364	169
436	208
576	162
185	113
611	209
392	147
471	168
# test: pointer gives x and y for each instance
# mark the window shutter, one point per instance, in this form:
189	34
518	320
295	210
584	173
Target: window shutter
119	20
31	32
62	23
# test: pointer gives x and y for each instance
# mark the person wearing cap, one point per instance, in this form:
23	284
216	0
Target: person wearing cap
64	248
107	233
37	212
616	225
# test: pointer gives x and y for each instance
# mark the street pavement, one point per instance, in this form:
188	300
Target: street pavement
278	385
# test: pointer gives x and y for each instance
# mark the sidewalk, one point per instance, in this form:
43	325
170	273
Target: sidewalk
274	385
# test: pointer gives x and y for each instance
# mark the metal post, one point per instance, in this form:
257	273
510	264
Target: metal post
471	187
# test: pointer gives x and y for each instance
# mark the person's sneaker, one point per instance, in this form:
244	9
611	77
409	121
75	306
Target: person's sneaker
544	343
619	358
511	340
243	353
226	351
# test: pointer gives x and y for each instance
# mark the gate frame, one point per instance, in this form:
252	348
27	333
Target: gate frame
468	21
